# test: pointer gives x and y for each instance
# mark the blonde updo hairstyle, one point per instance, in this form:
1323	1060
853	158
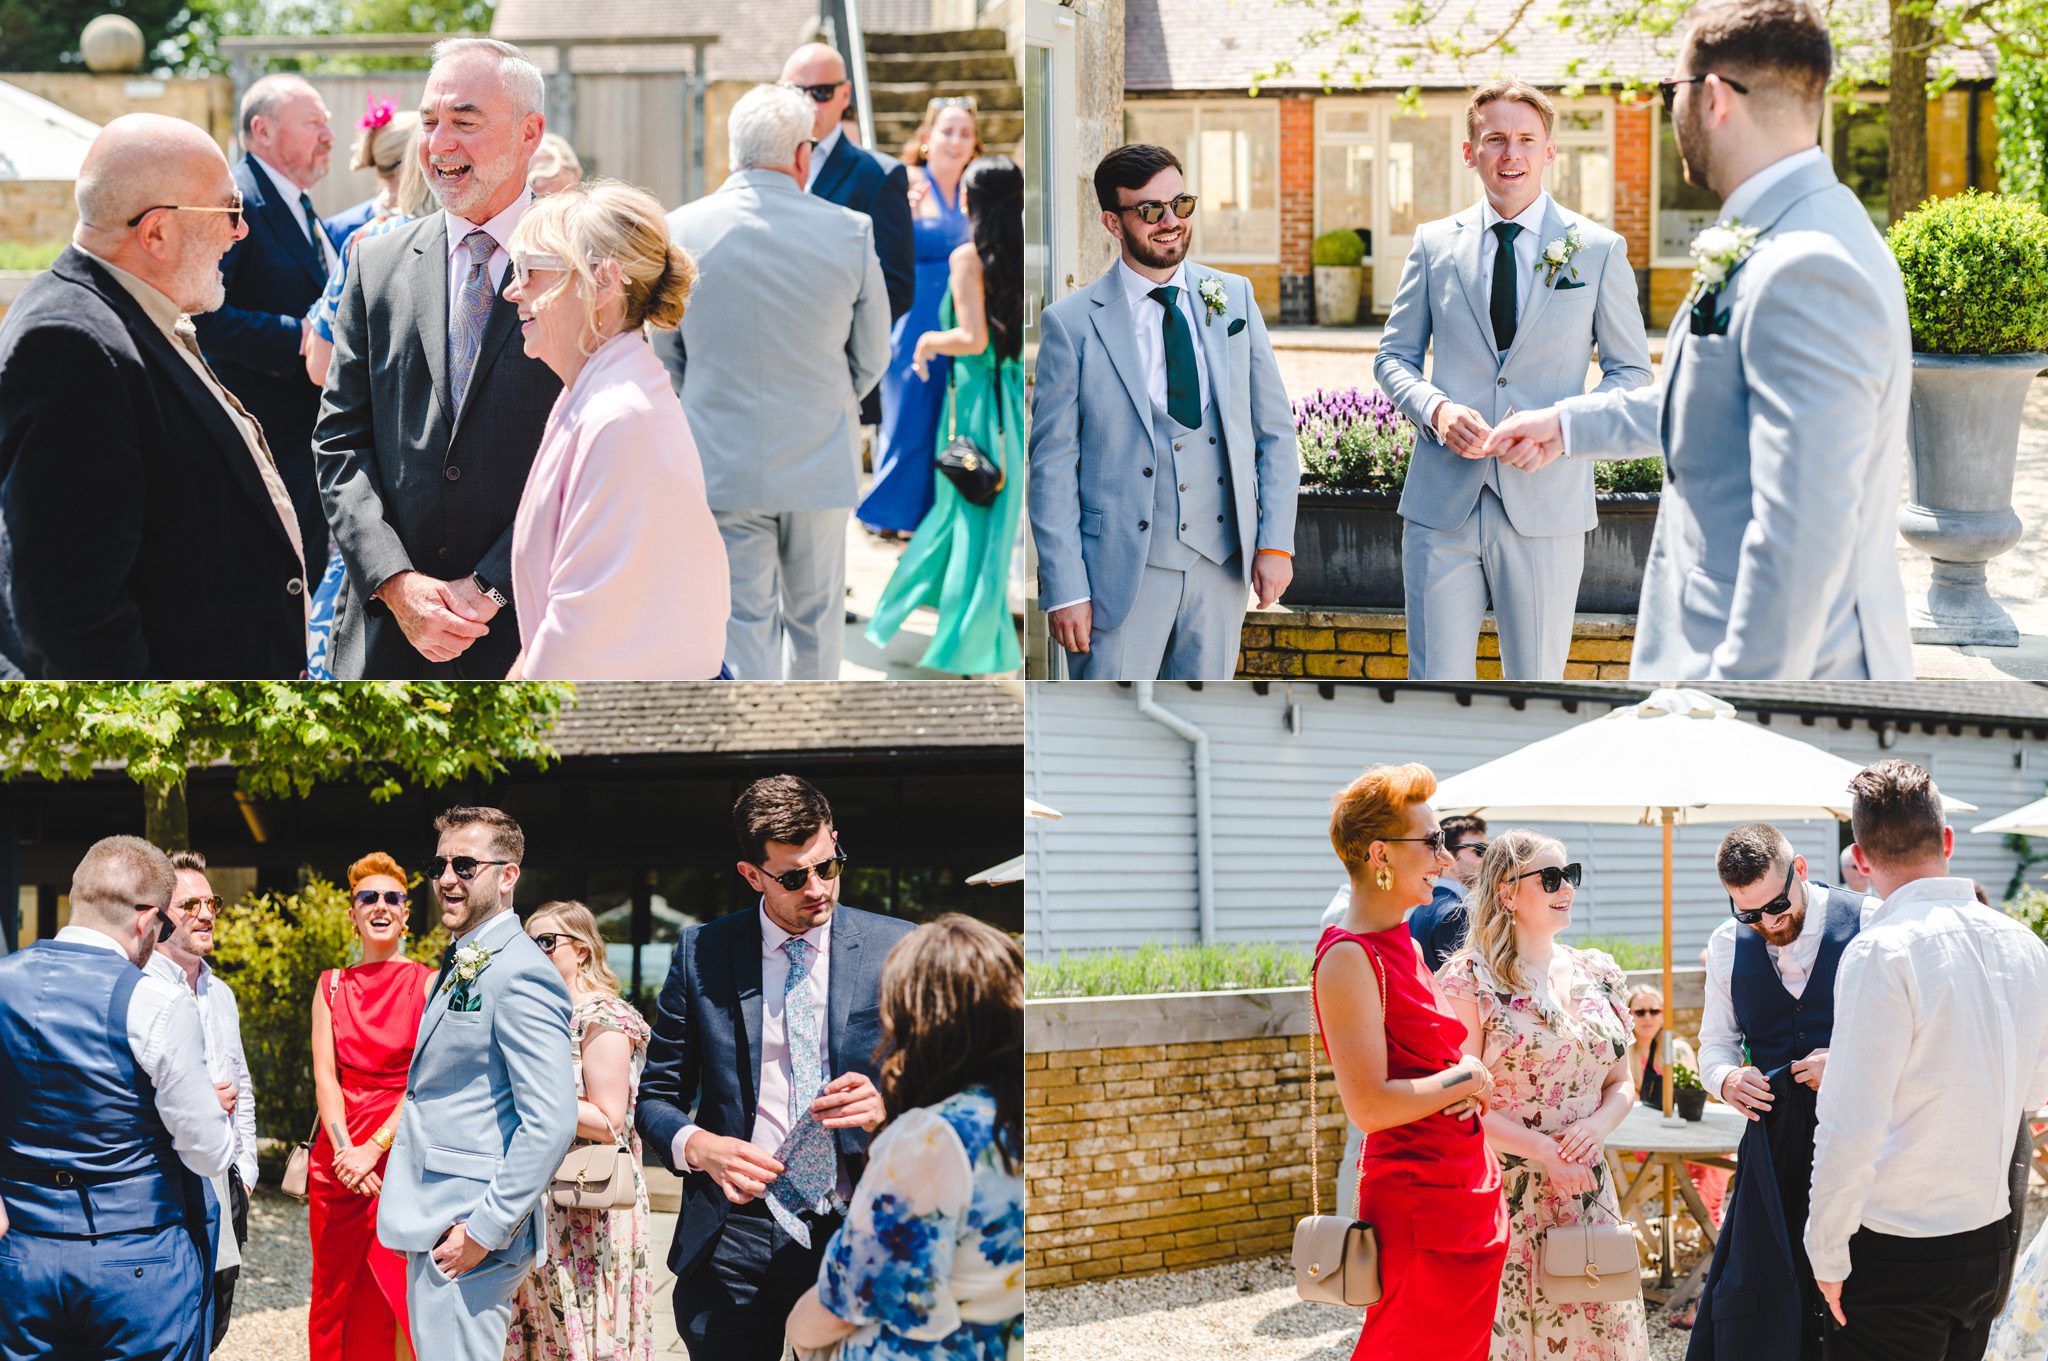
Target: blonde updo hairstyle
1374	807
574	920
602	221
383	149
1491	936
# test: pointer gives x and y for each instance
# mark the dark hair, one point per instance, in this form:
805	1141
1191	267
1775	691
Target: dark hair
1750	852
993	191
779	808
1785	39
188	860
507	841
1130	167
952	1002
1460	825
1895	811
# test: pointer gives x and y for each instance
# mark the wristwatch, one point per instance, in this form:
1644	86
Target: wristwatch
488	591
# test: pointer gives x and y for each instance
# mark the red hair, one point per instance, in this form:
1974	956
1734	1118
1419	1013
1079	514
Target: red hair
376	862
1372	808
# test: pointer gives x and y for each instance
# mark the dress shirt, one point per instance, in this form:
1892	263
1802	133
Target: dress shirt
1720	1036
822	152
1940	1050
500	229
771	1116
169	1043
289	194
1528	244
220	1022
184	339
1149	323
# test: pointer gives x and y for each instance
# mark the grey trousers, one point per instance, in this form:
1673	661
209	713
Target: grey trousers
465	1319
1182	626
1450	576
788	572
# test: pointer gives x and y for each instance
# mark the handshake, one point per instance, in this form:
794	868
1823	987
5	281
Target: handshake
1527	440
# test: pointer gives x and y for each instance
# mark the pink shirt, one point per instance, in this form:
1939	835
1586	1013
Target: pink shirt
616	561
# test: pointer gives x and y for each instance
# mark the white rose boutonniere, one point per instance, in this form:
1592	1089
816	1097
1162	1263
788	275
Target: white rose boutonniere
1559	254
1718	250
1211	293
468	965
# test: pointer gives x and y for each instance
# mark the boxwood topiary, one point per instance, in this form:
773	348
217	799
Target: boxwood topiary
1976	272
1338	249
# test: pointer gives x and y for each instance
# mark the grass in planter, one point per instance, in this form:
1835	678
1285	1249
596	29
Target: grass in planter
1629	954
1167	968
31	255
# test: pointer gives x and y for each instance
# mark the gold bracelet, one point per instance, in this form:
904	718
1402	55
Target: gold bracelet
383	1139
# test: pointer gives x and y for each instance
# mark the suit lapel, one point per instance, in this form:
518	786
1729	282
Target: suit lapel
837	167
746	973
1472	241
846	962
281	219
1112	317
428	285
1552	230
1213	348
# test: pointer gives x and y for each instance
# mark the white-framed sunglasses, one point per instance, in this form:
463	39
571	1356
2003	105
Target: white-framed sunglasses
527	263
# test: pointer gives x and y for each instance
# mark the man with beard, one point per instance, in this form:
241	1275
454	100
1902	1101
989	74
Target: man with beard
433	410
490	1102
1784	385
144	530
1770	1010
1162	454
181	962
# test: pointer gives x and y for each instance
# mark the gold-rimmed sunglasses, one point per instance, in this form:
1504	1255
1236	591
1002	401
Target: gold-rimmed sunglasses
1151	211
234	211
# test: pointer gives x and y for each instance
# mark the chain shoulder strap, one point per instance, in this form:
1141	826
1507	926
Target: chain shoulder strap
1315	1061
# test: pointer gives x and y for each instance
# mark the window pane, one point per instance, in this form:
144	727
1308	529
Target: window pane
1683	211
1583	181
1418	172
1238	179
1860	146
1172	128
1344	186
1351	121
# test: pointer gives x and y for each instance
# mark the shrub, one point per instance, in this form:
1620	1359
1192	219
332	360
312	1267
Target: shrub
1167	968
1976	272
1628	474
30	255
2022	117
271	949
1353	439
1339	249
2030	907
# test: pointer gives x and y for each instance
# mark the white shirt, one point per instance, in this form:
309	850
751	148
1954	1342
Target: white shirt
1148	321
500	229
1720	1035
220	1022
1756	186
1527	244
289	194
165	1035
1940	1049
823	152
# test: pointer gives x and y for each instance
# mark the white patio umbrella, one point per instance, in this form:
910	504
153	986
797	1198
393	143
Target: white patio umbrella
1009	872
2028	820
1679	757
1034	809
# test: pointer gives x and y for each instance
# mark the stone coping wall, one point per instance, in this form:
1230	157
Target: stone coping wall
1347	645
1165	1132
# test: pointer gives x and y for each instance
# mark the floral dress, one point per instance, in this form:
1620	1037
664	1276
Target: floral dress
1549	1062
590	1299
930	1261
2021	1332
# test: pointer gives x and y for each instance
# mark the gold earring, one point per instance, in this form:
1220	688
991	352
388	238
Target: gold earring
1384	877
924	151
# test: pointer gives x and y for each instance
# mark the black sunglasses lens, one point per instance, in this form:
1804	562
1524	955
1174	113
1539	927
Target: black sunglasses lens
165	928
465	866
546	943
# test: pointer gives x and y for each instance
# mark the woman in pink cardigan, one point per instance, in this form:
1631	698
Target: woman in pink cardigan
616	561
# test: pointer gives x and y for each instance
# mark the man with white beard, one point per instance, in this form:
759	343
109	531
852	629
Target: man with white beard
144	532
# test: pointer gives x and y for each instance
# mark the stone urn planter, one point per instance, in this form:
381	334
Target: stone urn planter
1339	260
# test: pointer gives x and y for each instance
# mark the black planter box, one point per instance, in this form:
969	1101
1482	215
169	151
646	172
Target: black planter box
1347	551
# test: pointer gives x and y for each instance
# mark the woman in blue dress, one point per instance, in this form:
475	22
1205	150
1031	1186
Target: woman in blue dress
929	1265
904	468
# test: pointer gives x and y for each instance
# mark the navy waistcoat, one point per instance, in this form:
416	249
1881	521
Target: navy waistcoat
1778	1027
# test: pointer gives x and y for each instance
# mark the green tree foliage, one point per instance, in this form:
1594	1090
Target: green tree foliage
2022	116
195	48
42	35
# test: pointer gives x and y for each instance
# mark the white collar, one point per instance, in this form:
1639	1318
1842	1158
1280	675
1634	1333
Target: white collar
286	190
774	937
476	933
86	935
1530	219
1934	891
499	227
1138	288
822	152
170	969
1756	186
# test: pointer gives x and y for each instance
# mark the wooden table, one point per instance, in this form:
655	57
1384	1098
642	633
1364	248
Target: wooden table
1709	1142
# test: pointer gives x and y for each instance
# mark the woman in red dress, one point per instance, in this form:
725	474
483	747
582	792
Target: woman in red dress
365	1019
1428	1184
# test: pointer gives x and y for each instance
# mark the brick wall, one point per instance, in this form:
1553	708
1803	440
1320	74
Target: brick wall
1632	187
1340	645
1297	206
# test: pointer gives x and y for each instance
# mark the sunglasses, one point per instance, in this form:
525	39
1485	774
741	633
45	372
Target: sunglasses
1646	1011
1151	211
826	870
1776	907
1435	840
390	897
1554	877
1668	87
820	94
234	212
1476	847
548	940
465	866
955	102
213	904
165	927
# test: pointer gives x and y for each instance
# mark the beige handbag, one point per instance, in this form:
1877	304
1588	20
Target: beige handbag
1587	1263
298	1169
597	1177
1336	1260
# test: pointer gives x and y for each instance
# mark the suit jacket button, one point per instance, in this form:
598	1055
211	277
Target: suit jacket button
1183	526
1183	486
1148	472
1500	382
441	552
294	586
1212	439
1219	481
1219	519
1177	445
1144	524
454	473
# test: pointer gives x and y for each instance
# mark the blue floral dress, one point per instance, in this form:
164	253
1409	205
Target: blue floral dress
2021	1332
930	1261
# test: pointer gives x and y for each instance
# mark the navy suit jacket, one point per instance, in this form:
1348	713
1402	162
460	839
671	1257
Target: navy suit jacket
348	219
274	275
705	1056
1439	925
878	186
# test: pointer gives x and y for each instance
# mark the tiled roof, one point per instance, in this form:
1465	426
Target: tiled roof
1966	702
620	718
1176	45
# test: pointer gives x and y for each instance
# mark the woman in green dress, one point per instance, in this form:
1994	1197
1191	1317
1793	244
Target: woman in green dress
958	561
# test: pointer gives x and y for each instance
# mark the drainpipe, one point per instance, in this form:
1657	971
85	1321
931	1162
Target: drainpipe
1205	871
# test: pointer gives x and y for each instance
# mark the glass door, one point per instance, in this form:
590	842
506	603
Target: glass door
1419	167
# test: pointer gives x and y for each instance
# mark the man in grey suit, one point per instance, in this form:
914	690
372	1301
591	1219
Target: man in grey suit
787	327
1162	455
1781	414
1512	328
490	1103
433	410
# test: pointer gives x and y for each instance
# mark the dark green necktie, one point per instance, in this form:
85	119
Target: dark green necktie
313	228
1504	285
1183	389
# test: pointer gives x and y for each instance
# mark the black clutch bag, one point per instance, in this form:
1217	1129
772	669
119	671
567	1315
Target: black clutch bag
975	475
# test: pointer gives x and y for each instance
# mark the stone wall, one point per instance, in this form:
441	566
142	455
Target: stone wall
1344	645
205	100
34	211
1099	120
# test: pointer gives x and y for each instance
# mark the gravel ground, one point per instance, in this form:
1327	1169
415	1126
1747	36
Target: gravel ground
276	1281
1245	1309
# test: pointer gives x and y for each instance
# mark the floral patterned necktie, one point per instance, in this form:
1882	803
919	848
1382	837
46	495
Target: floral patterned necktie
809	1166
472	311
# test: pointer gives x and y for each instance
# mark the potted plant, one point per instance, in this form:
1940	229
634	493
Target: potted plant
1339	258
1976	273
1686	1092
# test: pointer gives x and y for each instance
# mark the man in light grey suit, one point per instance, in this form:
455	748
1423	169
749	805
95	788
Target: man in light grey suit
787	327
490	1103
1511	330
1782	409
1162	457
